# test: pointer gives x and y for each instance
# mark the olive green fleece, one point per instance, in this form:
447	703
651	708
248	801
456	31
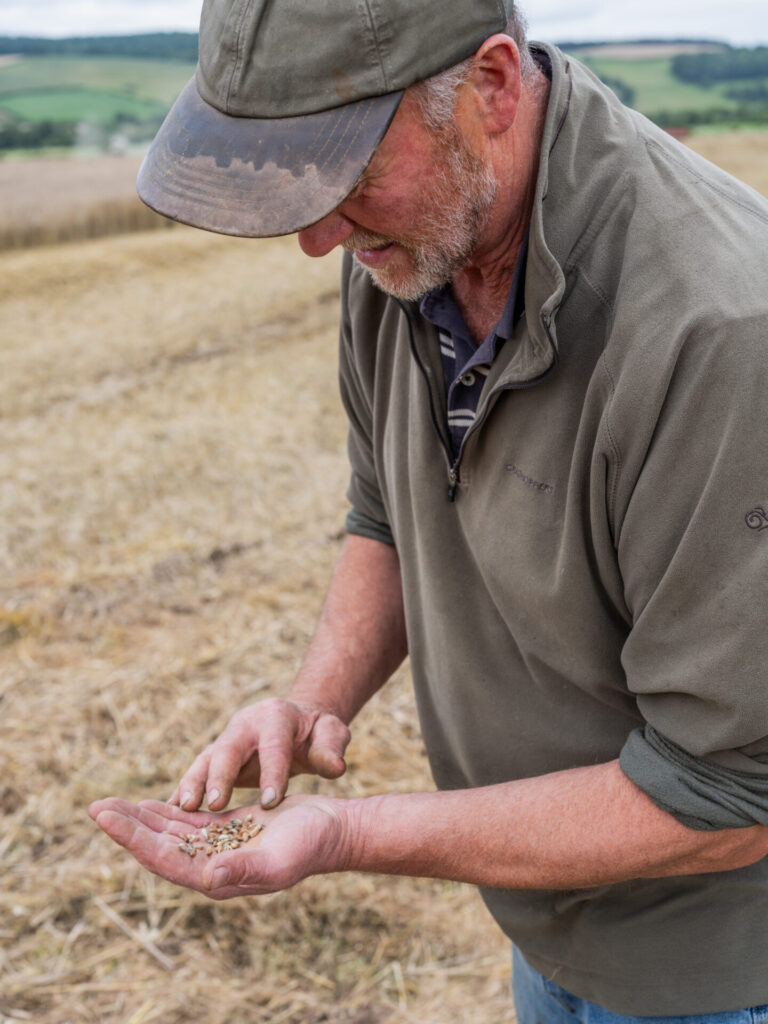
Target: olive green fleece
603	571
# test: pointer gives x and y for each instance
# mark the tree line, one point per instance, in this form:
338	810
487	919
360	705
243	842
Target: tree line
708	68
25	135
180	46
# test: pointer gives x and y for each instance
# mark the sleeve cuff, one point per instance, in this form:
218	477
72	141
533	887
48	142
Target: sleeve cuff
698	793
364	526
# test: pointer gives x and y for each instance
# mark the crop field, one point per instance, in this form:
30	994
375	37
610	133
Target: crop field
77	105
173	467
743	154
59	200
49	83
656	88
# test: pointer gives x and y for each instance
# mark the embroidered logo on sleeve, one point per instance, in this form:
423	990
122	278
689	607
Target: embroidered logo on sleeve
757	519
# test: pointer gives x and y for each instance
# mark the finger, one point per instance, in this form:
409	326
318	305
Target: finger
156	851
97	806
277	742
329	740
113	803
189	792
230	873
155	817
230	754
172	815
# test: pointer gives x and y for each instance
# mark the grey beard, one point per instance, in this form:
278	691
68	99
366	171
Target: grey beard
459	203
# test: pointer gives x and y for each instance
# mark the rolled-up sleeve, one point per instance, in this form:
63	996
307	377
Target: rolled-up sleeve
693	553
364	526
699	793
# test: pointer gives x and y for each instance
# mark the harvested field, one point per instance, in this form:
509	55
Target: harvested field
43	202
173	475
743	154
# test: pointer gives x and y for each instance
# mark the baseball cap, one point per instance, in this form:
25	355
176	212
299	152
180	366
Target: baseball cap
290	99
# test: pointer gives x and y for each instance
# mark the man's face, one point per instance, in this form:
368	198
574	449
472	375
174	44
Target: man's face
415	216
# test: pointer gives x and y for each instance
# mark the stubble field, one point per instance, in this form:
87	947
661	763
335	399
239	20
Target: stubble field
171	506
172	497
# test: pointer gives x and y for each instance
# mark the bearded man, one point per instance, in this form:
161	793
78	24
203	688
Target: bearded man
553	359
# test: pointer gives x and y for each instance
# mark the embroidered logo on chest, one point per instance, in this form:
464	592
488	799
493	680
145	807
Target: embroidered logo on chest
536	485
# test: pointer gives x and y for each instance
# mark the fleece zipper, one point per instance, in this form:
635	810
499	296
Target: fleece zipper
454	465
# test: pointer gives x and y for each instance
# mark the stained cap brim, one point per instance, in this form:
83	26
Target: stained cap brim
259	177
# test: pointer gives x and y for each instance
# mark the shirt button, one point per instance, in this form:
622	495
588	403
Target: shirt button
467	379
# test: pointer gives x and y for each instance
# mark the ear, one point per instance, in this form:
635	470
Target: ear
495	85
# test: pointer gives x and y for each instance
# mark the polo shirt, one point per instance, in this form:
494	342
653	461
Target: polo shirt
465	363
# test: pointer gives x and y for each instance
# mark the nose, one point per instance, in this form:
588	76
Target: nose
318	239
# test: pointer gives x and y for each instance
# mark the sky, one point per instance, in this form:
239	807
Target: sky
740	22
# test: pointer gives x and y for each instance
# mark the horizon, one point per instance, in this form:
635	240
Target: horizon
741	23
603	41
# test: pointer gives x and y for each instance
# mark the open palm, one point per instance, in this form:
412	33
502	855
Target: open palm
303	836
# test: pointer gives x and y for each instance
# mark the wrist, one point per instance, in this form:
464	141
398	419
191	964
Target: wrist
359	833
345	843
309	696
390	834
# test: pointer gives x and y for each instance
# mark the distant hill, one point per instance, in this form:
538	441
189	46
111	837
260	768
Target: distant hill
152	45
684	83
111	92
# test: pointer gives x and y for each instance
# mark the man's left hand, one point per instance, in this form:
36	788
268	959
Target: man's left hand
303	836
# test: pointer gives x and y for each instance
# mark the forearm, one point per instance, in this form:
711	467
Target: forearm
360	637
575	829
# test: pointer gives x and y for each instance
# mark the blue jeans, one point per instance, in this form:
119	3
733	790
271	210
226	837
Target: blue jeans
538	1001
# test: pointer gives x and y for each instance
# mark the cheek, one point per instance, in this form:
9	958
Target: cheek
399	206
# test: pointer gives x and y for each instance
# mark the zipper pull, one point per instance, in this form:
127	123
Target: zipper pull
453	483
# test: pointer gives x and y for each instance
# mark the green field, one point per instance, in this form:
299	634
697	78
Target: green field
102	84
77	105
657	90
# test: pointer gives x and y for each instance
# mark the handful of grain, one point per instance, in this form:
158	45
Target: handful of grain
216	837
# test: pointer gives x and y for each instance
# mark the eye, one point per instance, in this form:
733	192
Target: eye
359	188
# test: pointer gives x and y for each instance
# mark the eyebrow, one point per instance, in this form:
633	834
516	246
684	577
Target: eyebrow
359	184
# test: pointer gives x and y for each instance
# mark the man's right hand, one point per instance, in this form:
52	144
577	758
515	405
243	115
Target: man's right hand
264	745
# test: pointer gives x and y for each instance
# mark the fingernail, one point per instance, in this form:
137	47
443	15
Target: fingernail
213	796
219	878
186	799
268	797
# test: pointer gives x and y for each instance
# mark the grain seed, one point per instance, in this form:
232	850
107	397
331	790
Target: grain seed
217	838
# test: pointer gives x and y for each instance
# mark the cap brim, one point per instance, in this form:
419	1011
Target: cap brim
259	177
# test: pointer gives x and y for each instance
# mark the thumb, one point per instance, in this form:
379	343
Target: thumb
330	738
237	871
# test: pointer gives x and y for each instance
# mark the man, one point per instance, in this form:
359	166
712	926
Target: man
553	342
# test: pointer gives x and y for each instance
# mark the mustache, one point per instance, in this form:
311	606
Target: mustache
366	240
